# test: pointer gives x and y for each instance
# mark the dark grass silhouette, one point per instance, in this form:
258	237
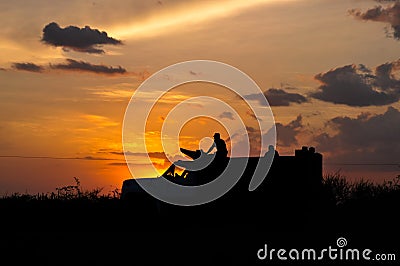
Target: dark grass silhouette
339	191
74	226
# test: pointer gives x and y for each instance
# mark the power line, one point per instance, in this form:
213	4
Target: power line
361	164
88	158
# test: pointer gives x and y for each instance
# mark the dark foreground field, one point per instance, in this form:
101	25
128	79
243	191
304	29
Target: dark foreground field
76	227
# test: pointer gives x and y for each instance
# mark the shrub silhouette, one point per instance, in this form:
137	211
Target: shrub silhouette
341	191
64	194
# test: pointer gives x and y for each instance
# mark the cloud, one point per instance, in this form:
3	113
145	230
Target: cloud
390	14
366	138
71	65
85	39
277	97
91	158
251	114
286	134
118	164
239	141
357	85
194	73
154	155
74	65
28	67
227	115
252	130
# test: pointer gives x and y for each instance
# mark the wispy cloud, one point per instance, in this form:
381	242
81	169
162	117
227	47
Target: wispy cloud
31	67
100	121
73	65
179	18
155	155
277	97
390	15
91	158
227	115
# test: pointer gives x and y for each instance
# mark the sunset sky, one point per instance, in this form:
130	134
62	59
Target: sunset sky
329	69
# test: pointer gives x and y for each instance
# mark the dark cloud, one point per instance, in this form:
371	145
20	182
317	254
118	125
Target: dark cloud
120	152
254	140
28	67
85	39
231	137
359	86
155	155
88	67
194	73
91	158
277	97
251	114
118	164
390	14
227	115
159	165
94	158
286	134
366	138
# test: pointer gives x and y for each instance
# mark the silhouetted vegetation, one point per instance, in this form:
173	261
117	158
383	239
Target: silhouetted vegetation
82	219
336	191
342	191
64	194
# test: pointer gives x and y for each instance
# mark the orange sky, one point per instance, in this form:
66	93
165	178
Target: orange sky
74	116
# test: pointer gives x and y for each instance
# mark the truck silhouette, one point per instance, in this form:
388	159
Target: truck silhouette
293	182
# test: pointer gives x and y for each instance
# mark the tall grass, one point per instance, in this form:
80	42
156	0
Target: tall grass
342	190
335	187
73	192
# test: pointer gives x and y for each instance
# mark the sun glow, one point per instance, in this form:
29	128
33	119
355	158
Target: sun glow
182	18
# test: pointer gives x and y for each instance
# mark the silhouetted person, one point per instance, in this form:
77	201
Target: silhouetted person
271	152
311	150
220	145
211	166
269	158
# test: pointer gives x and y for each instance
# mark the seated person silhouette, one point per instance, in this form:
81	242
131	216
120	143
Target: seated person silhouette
191	168
220	160
220	145
200	158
